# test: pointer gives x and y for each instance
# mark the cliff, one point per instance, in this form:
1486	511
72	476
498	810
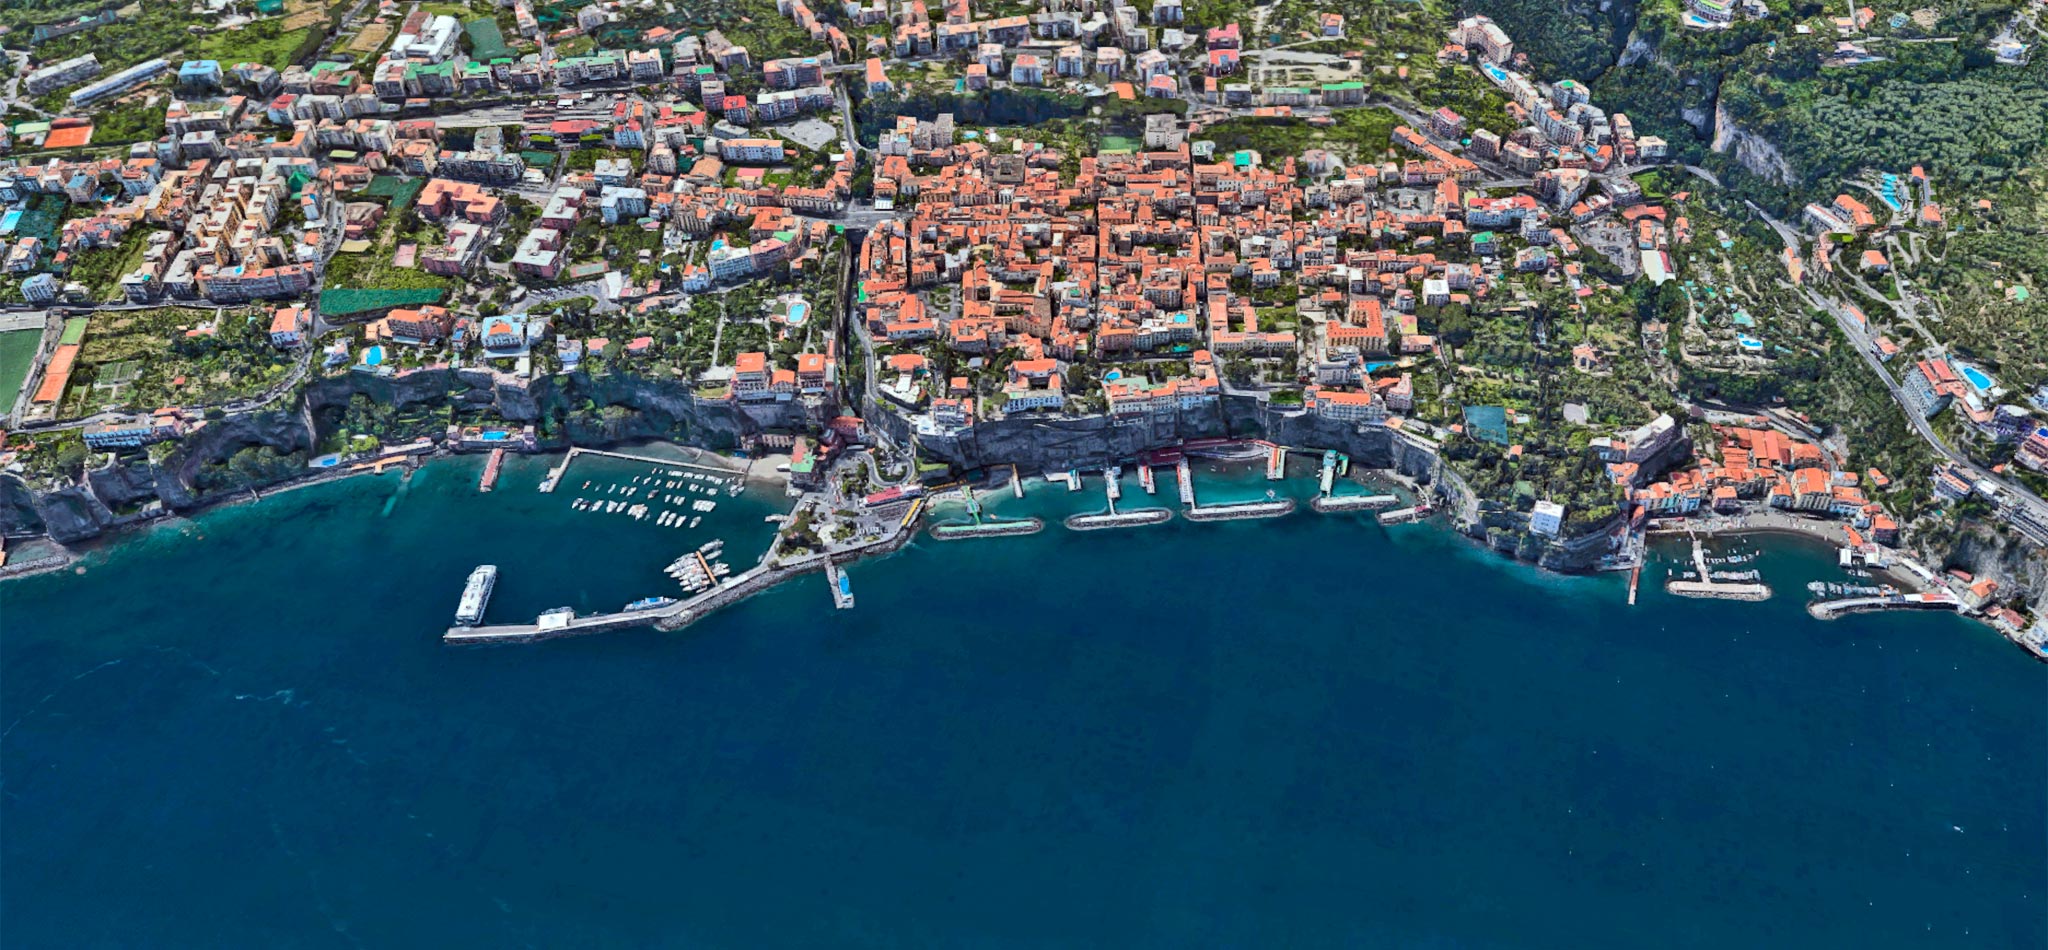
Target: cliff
228	457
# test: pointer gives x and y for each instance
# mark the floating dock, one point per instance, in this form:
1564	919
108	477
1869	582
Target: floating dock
1249	509
1125	519
490	476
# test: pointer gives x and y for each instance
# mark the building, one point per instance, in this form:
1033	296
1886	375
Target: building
1929	386
58	75
39	289
119	82
1547	518
288	326
132	431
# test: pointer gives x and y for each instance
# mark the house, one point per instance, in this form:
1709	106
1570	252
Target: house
288	326
1547	518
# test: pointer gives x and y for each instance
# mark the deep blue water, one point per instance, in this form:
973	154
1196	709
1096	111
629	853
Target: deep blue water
243	731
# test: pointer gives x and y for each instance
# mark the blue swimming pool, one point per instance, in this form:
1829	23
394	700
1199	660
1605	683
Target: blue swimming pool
797	312
1748	342
1977	379
374	356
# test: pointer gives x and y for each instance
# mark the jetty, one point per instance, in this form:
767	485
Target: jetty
1329	474
1073	479
1932	600
1145	479
1404	515
1276	463
1706	586
1118	519
1336	504
490	476
1186	480
1114	476
987	529
1273	508
1016	483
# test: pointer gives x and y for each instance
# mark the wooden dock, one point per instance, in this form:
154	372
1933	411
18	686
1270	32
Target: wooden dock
490	476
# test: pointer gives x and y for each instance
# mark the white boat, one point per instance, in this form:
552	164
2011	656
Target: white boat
476	594
696	520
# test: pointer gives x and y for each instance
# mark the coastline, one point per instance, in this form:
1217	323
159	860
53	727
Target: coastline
762	471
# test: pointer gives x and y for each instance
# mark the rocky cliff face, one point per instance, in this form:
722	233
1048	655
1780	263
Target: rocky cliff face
579	409
2018	568
1753	152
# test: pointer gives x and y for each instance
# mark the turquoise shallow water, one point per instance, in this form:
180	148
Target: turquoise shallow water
243	731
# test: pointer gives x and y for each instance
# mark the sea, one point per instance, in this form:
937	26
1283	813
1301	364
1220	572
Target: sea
242	730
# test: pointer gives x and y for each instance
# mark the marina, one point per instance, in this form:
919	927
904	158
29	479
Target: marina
1706	585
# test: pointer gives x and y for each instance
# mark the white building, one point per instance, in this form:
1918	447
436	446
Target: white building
1547	519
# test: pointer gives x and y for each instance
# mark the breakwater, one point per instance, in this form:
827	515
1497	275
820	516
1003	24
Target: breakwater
1120	519
987	529
1242	510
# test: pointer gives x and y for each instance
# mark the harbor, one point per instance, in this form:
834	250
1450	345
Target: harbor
1704	585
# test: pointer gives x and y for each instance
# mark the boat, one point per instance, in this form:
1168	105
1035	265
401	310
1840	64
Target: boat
712	547
695	520
476	593
649	603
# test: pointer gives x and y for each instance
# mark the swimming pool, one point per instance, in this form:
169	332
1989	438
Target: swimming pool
797	312
374	356
1978	380
1748	342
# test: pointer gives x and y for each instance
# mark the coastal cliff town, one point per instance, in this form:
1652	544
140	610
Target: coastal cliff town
910	242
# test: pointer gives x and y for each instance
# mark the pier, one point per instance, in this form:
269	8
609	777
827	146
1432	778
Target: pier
1276	463
1337	504
1016	483
1114	476
1934	600
1329	476
1073	479
1242	510
1145	479
1186	480
490	476
1405	515
1125	519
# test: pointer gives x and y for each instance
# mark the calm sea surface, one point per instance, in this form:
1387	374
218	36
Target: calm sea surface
242	730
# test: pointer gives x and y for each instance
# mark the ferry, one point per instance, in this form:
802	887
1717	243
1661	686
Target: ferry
649	603
476	594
